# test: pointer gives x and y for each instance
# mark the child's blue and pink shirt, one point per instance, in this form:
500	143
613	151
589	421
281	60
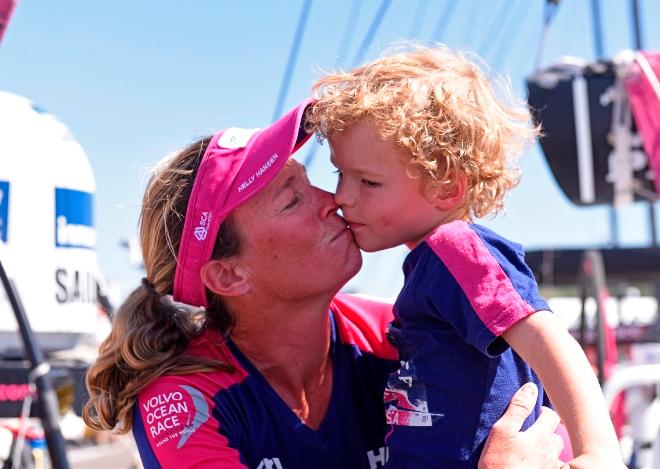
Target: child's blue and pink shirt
464	287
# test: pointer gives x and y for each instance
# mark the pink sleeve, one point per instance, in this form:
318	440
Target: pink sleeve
363	322
488	288
174	426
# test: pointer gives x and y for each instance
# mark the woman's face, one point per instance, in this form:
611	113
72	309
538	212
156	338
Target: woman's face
294	244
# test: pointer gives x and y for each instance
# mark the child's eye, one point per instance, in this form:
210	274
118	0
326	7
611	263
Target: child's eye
368	183
338	173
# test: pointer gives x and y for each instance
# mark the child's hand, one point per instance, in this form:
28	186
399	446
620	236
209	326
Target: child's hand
538	446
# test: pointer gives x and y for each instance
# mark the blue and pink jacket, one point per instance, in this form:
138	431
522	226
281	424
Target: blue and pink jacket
235	419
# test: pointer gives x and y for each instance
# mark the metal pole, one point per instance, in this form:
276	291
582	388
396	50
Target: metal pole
47	398
584	294
595	271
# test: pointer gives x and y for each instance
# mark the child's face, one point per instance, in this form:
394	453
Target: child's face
382	204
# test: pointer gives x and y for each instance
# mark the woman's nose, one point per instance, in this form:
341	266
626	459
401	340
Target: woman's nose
327	204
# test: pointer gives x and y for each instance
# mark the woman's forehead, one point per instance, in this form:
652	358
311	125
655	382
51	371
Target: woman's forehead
292	173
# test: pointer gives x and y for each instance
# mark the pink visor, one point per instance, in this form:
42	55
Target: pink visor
237	164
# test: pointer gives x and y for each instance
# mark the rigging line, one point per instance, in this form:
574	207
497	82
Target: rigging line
597	23
505	22
637	30
509	38
373	29
472	21
549	11
366	42
420	12
443	20
525	60
349	30
293	56
492	29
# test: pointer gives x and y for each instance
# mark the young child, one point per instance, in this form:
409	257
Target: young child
424	141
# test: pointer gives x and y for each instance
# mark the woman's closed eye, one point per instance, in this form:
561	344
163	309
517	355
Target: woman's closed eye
294	200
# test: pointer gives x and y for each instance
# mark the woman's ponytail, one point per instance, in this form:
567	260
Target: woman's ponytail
150	333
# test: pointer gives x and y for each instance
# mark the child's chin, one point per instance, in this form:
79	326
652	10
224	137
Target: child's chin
369	247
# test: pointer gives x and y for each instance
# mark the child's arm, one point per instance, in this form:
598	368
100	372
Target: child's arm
542	341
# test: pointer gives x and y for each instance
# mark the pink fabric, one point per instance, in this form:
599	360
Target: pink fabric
487	287
228	176
643	91
363	322
566	453
6	10
176	411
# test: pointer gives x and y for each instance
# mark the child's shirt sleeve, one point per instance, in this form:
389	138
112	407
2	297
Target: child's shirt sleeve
489	287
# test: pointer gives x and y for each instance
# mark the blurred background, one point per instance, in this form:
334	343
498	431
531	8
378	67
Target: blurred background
123	84
134	81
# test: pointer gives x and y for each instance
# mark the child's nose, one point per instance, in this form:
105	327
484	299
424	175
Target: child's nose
343	196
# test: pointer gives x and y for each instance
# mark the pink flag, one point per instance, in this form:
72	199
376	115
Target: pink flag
6	9
644	92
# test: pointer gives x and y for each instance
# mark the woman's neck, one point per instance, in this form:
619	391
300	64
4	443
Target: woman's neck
290	345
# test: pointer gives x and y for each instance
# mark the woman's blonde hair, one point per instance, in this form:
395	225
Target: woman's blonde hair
444	109
150	332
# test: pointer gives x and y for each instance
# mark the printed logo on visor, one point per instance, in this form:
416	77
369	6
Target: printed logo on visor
235	137
203	228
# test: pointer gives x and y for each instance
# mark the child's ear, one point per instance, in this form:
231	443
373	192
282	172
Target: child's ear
454	197
225	277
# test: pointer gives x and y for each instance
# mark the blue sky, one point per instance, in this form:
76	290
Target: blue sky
136	80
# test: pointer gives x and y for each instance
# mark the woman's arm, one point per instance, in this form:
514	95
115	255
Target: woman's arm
567	376
509	448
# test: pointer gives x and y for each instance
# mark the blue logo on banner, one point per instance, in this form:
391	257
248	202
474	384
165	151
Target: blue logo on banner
4	210
74	227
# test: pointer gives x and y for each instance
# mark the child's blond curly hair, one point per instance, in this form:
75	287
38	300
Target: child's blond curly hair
444	109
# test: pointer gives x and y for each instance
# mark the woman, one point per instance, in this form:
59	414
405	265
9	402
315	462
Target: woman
277	371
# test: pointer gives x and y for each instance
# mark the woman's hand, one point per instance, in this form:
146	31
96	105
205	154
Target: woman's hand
538	447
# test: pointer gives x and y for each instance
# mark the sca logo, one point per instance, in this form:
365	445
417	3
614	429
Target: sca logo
202	228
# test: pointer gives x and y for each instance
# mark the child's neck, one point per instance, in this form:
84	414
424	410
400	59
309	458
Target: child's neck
448	218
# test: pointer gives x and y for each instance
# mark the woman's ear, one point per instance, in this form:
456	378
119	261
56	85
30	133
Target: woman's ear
455	197
225	278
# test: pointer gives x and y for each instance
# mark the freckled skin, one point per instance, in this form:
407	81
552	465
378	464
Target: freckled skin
292	226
